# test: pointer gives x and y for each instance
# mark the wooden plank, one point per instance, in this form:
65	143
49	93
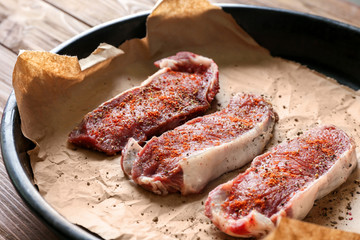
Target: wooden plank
340	10
26	25
35	25
7	62
16	220
99	11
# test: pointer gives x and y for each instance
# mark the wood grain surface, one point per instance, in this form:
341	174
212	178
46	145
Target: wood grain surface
43	24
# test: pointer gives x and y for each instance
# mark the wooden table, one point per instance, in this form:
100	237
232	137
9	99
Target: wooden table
43	24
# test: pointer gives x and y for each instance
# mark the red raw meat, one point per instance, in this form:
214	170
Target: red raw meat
187	158
285	181
183	88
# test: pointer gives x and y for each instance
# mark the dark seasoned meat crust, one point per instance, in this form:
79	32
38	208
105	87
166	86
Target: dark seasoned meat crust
183	88
214	144
283	182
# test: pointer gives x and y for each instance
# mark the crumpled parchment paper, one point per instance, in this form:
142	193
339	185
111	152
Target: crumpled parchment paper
291	229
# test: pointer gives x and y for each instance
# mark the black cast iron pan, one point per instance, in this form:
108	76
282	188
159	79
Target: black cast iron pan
328	46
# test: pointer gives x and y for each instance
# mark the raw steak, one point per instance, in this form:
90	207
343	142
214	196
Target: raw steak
183	88
188	157
285	181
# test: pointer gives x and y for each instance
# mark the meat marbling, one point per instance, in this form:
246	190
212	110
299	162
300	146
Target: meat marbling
187	158
284	181
184	87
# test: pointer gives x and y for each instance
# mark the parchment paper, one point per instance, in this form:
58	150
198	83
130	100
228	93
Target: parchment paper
291	229
88	188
